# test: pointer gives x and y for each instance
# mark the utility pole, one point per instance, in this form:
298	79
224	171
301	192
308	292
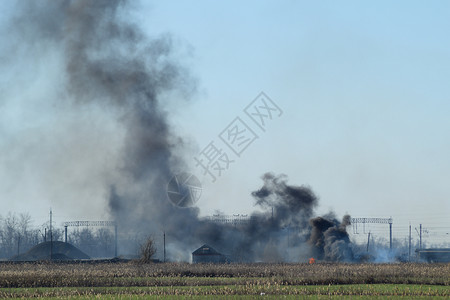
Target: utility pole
50	221
115	239
355	221
368	241
51	236
420	234
18	245
409	253
288	234
390	235
164	260
65	233
96	223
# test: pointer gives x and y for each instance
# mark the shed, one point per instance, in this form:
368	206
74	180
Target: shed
207	254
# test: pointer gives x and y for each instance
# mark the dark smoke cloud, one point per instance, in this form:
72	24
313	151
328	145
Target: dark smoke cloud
107	62
290	203
329	239
286	229
111	61
278	233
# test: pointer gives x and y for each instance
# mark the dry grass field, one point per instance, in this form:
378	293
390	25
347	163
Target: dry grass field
133	280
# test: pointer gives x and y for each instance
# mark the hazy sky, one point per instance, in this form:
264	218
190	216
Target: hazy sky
363	88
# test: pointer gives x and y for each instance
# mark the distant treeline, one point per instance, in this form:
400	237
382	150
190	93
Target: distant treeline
18	236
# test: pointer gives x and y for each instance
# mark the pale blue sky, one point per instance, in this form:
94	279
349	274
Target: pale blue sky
364	90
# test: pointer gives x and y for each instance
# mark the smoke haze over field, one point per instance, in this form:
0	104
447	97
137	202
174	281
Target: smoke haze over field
106	73
104	86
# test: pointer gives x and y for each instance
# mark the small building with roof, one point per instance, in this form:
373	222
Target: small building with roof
207	254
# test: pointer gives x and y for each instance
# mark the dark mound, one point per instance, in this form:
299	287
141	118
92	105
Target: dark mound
61	251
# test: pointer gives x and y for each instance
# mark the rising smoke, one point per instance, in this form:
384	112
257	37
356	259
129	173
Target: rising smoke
106	61
285	230
293	207
104	65
329	239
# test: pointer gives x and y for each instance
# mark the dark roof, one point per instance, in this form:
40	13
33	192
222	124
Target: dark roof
205	250
60	251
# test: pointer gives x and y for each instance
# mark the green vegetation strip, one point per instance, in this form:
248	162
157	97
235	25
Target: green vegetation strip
378	290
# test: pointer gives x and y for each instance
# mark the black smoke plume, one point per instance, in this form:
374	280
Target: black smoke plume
329	239
107	63
285	230
110	60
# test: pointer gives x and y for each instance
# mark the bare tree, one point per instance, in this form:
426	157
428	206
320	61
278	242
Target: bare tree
24	223
10	234
16	234
147	251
